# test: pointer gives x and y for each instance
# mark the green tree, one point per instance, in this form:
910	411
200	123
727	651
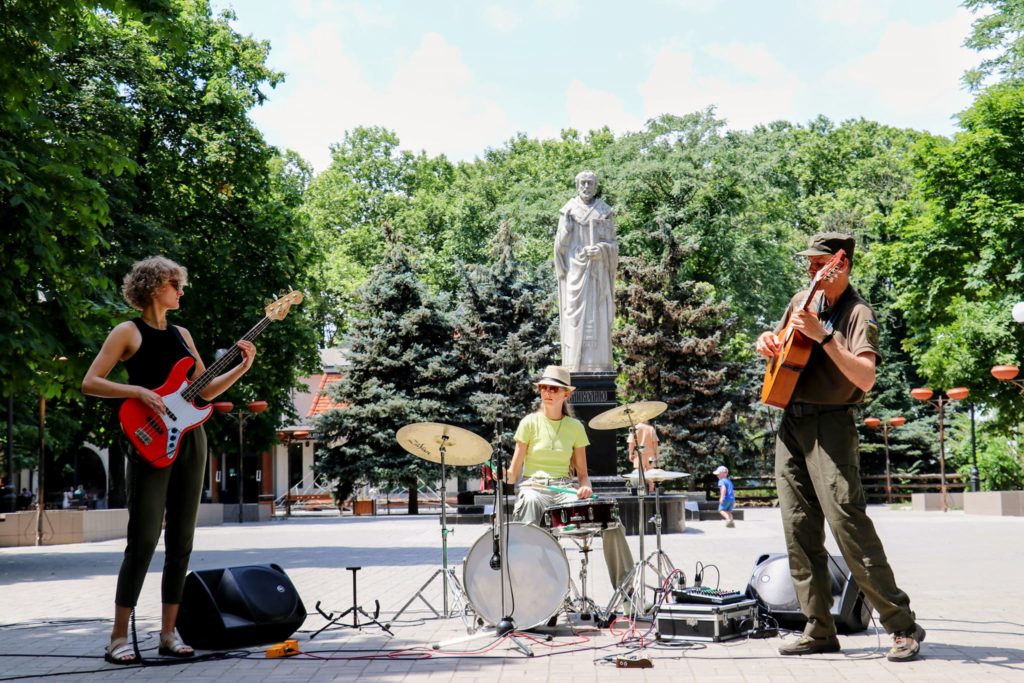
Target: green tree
999	33
507	332
370	181
402	369
671	346
955	264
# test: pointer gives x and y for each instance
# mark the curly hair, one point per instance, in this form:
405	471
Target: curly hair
147	276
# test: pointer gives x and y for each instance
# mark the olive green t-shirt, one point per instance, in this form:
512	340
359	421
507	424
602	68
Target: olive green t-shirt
549	444
856	328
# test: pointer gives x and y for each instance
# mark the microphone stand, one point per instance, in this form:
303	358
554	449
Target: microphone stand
506	626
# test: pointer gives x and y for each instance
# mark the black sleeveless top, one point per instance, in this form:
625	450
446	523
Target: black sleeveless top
156	356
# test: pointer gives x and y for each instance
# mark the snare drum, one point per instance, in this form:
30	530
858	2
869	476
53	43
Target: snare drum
536	577
593	515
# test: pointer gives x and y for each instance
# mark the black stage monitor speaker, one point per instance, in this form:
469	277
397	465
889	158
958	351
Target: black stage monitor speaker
239	607
772	586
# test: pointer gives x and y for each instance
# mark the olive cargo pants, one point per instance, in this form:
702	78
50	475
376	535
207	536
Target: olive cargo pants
817	472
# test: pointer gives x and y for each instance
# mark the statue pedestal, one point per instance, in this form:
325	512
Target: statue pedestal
595	393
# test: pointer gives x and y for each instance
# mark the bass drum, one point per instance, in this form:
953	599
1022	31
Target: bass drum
536	577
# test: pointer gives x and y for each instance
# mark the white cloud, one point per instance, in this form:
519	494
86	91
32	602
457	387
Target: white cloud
913	70
698	6
500	18
850	12
746	84
559	9
590	109
429	100
369	17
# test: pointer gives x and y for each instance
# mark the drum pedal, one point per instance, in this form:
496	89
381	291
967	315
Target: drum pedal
633	662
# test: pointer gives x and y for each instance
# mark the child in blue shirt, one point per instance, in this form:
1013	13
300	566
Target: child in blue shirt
726	495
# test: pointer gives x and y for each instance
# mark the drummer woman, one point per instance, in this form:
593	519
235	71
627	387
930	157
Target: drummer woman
549	443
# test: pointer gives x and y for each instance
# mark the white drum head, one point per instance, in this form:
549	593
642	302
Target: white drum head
536	575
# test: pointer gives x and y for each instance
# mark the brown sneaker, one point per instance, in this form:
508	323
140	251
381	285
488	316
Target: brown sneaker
810	646
906	644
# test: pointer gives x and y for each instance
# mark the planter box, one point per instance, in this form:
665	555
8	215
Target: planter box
364	507
927	502
995	503
64	526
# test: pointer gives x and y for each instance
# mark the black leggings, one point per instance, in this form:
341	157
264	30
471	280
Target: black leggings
151	491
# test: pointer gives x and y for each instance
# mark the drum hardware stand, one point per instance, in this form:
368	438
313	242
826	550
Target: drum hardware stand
450	583
583	605
659	560
355	610
506	627
632	588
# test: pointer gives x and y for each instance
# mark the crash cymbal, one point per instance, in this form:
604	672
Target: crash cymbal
631	413
654	474
461	446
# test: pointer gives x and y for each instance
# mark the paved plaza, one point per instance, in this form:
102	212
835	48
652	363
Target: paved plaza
962	572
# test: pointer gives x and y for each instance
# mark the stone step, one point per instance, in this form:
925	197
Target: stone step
704	515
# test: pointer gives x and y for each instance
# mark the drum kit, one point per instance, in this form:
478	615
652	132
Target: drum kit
516	576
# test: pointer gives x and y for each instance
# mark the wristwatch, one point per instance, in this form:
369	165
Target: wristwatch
828	337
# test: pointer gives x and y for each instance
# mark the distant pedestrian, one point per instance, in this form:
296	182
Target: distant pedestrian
726	495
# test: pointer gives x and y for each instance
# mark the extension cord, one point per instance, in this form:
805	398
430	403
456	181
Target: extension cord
633	663
288	648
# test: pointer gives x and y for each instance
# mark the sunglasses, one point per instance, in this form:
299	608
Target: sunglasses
549	387
177	285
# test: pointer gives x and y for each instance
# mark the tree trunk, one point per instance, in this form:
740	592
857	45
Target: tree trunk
414	498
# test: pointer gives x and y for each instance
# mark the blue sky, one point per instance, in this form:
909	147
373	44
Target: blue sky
459	76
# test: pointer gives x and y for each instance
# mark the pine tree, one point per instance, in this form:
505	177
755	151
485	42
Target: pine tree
403	369
507	333
671	347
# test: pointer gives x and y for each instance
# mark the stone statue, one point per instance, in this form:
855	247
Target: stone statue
586	257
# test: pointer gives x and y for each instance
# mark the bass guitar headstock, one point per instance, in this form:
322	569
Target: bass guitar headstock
280	307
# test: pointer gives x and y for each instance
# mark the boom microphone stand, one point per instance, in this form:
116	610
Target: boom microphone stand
499	536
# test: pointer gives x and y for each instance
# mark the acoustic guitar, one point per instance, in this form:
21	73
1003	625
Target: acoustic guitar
784	368
157	437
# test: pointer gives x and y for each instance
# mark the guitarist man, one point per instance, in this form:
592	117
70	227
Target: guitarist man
149	347
817	460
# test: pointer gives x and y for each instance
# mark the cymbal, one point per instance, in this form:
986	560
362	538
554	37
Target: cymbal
631	413
654	474
461	446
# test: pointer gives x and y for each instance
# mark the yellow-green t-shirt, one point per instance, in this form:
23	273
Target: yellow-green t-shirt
549	444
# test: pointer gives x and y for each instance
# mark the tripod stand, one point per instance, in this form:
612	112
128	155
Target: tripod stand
658	560
633	587
450	582
355	610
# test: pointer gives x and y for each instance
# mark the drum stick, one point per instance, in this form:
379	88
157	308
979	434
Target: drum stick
565	490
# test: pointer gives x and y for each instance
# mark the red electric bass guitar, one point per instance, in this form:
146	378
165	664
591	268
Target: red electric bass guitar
157	437
784	369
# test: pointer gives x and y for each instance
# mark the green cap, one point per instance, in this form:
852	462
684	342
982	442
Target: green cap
828	243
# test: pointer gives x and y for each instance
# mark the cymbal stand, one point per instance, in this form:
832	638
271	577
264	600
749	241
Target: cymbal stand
659	560
506	627
450	582
633	586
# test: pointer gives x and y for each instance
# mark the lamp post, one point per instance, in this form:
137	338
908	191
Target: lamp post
885	425
240	416
939	403
1008	373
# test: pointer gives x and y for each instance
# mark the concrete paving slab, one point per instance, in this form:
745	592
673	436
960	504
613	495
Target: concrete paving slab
962	573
